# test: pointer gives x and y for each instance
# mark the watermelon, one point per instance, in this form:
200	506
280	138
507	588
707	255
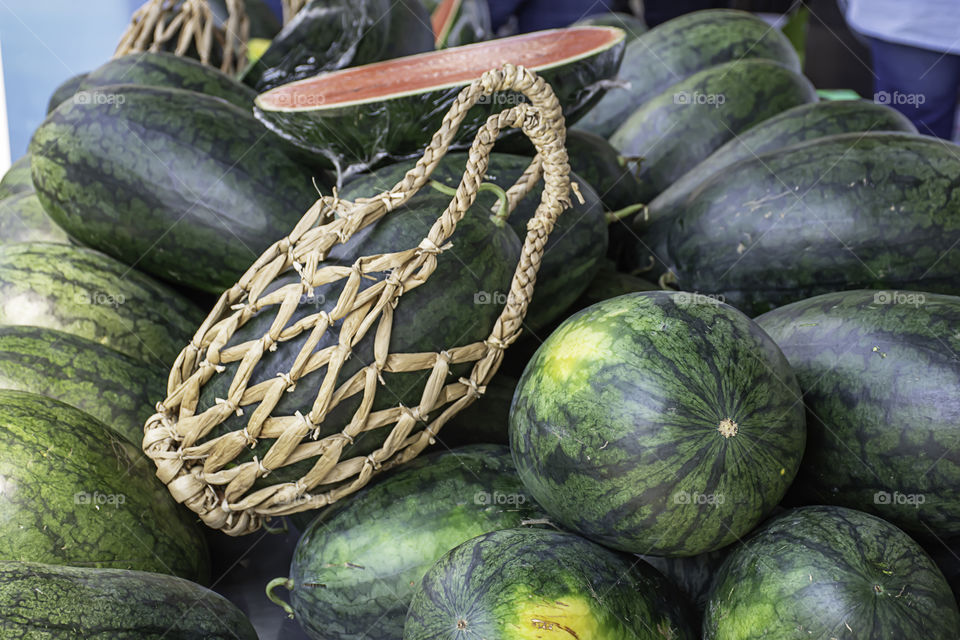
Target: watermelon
659	422
22	219
484	421
162	69
610	283
332	34
460	22
184	186
17	179
693	575
630	23
75	493
596	161
441	313
359	116
532	583
571	256
368	552
688	121
65	90
830	572
894	454
858	210
679	48
83	292
114	388
793	126
46	601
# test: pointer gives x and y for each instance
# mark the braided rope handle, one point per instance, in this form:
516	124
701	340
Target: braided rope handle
189	23
174	442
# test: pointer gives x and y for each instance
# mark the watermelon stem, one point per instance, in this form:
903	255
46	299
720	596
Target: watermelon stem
500	218
620	214
287	584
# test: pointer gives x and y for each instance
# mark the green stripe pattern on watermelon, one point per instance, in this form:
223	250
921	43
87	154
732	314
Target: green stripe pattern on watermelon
17	179
518	584
88	294
688	121
830	572
22	219
63	603
114	388
182	185
75	493
679	48
65	90
658	423
881	382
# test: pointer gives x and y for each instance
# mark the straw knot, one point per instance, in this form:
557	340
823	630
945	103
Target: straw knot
495	343
230	404
474	390
287	381
373	462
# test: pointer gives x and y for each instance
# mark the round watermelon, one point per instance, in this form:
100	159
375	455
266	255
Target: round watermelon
660	423
830	572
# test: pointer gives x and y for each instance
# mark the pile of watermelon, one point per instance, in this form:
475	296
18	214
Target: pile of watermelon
734	412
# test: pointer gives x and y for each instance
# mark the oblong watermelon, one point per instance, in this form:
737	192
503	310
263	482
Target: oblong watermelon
114	388
830	572
532	583
679	48
686	122
22	219
660	423
75	493
17	179
881	383
371	549
362	115
874	210
183	185
161	69
81	291
62	603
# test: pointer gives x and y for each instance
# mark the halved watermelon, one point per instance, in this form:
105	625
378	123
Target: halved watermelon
460	22
357	116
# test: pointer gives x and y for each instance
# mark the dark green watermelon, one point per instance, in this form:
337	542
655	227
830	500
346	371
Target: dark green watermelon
75	493
114	388
65	90
874	210
357	566
17	179
830	572
596	161
633	25
88	294
679	48
332	34
660	423
793	126
484	421
685	123
63	603
182	185
610	283
22	219
693	575
443	312
571	256
880	379
516	584
358	117
168	70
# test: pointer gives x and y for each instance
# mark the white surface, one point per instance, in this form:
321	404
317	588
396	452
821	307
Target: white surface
4	128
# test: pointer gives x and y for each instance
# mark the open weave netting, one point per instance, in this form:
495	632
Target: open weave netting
208	473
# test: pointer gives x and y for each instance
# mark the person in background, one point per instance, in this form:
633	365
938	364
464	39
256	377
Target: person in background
916	57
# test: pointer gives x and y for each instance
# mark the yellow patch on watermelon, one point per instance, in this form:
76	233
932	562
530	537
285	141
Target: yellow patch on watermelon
571	353
566	618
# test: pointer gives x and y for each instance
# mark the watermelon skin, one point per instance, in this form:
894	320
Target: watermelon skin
679	48
838	236
693	575
64	475
356	136
793	126
22	219
17	179
85	293
168	70
332	34
65	90
198	194
484	421
595	160
872	449
452	496
830	572
573	252
672	132
441	313
54	602
116	389
468	21
535	583
620	424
